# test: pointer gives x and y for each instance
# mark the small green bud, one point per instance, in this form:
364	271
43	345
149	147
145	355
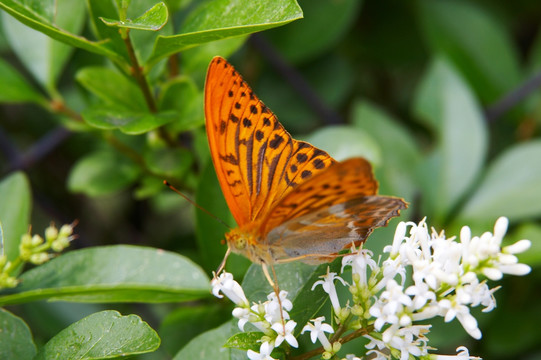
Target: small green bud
357	310
39	258
26	240
51	233
336	346
36	240
65	231
326	355
60	244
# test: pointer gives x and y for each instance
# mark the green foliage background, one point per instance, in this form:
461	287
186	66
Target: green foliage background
442	96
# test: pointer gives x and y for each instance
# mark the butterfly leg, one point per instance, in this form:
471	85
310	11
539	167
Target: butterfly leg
222	265
276	288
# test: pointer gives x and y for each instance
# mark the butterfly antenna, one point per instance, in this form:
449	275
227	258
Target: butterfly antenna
166	183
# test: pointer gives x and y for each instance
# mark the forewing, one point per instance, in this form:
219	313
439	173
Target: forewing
318	235
256	160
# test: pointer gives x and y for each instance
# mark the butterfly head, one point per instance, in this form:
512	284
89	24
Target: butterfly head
245	243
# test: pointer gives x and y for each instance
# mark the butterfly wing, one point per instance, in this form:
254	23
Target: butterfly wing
329	212
256	160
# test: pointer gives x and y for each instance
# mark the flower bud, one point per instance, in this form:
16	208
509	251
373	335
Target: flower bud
65	231
51	233
39	258
36	240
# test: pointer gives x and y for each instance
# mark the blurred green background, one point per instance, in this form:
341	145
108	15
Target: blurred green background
442	96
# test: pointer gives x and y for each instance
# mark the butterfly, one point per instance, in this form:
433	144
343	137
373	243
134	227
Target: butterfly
291	200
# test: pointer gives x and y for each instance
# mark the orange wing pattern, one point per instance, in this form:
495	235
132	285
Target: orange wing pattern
256	160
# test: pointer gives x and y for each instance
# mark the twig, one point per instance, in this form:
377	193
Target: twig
138	74
500	107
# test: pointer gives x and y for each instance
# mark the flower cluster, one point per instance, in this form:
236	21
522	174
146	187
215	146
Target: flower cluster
34	249
448	278
270	317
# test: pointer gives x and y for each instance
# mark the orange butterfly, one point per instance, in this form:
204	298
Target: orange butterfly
291	200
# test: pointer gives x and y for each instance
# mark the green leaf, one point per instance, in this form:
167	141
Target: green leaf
185	323
220	19
353	142
477	45
208	345
245	341
15	88
325	23
112	87
445	103
41	17
153	19
399	150
196	60
120	273
44	57
102	172
15	206
181	95
509	188
129	122
102	335
15	338
170	163
209	233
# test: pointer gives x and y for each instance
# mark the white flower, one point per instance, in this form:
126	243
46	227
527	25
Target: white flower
264	352
328	286
421	294
451	309
389	305
230	288
243	314
318	330
273	312
359	262
285	333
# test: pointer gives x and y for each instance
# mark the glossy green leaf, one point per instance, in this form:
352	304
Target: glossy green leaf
169	163
208	231
15	338
44	57
41	16
102	173
220	19
153	19
183	324
511	187
119	273
476	44
15	207
399	150
325	23
129	122
15	88
353	142
208	345
445	103
112	87
245	341
102	335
